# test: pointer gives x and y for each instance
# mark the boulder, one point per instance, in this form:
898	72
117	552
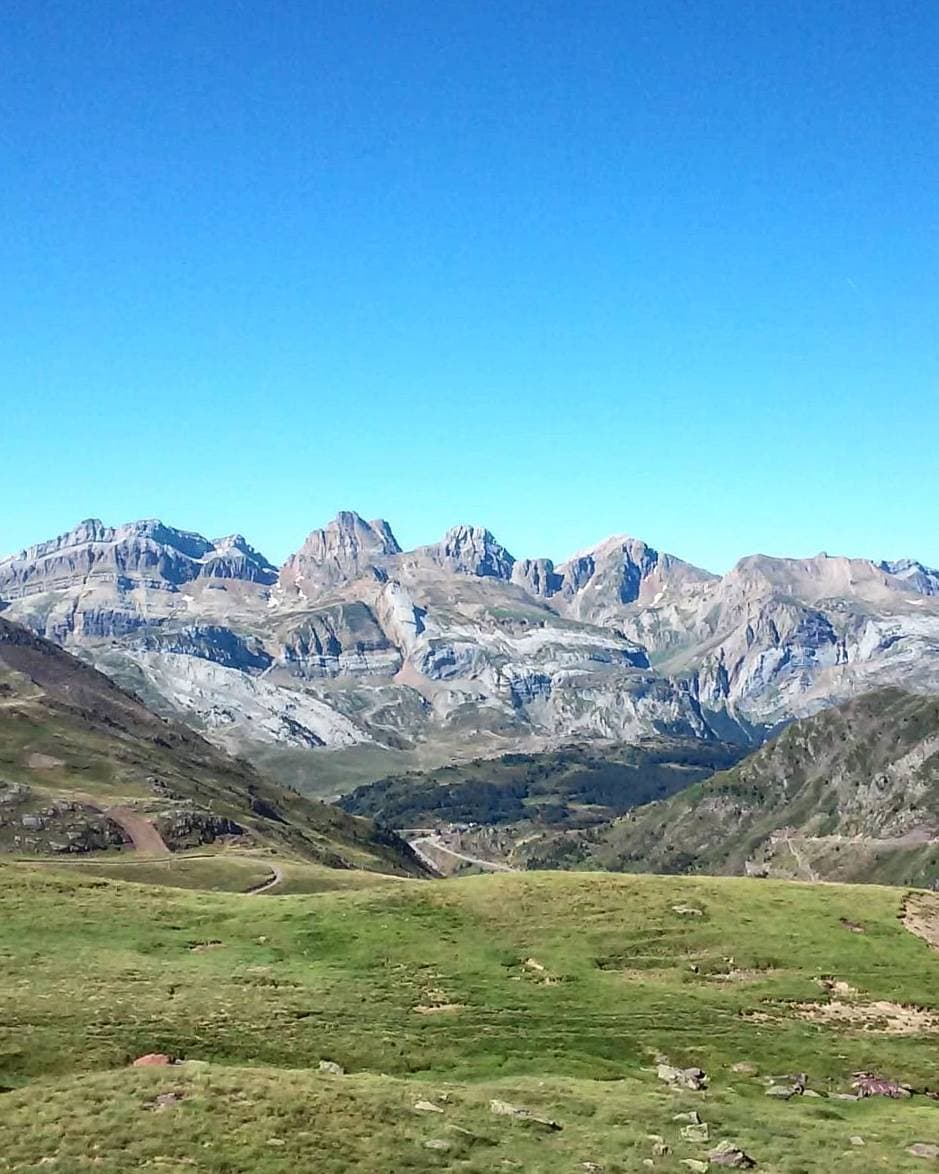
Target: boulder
332	1068
694	1079
427	1107
730	1154
152	1060
922	1149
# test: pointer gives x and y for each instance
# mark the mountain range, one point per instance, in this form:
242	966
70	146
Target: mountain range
389	658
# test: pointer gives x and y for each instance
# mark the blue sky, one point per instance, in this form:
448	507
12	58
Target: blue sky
565	269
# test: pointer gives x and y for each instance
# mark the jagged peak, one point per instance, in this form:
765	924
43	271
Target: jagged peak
349	529
473	550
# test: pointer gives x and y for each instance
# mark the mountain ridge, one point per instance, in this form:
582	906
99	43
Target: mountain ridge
458	648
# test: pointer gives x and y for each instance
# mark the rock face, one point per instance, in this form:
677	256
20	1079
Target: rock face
471	550
344	550
355	641
139	554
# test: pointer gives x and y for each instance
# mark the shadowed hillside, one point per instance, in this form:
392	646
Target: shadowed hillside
86	766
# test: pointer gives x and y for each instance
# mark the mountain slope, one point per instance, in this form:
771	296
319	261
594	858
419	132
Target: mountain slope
392	659
84	765
851	793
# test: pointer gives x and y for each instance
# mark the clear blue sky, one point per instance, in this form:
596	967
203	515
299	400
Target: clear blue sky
665	267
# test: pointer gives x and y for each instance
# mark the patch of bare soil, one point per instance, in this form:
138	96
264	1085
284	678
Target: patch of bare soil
43	762
141	832
741	974
880	1016
920	915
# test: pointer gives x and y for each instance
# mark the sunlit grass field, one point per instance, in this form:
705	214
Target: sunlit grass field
556	992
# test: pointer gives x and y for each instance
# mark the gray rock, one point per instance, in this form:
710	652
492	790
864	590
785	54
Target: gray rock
331	1067
694	1079
427	1107
727	1153
520	1113
922	1149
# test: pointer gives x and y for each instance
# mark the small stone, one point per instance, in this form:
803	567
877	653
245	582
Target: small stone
427	1107
591	1167
922	1149
695	1166
332	1068
785	1091
436	1143
745	1068
504	1109
696	1133
730	1154
856	1140
688	911
661	1149
152	1060
166	1100
810	1092
276	1141
691	1118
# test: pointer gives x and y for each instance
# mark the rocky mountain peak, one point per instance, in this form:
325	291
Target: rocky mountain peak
473	550
233	557
537	576
144	552
622	571
346	548
913	575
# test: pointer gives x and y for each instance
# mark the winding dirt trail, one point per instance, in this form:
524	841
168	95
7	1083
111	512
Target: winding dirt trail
276	878
434	842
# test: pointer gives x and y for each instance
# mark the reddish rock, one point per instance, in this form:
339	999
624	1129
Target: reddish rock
152	1059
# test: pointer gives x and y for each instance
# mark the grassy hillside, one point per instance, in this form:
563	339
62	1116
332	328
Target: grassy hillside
74	747
554	992
849	794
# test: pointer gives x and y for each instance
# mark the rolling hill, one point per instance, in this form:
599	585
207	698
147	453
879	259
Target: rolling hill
85	766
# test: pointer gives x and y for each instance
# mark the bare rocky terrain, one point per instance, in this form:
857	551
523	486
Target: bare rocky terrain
390	659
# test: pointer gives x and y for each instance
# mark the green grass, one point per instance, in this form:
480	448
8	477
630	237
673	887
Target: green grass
95	972
226	873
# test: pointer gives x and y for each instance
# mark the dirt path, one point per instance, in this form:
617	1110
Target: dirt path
276	878
143	835
434	842
801	863
920	915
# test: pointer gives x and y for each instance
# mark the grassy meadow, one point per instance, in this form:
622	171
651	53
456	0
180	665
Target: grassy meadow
556	992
